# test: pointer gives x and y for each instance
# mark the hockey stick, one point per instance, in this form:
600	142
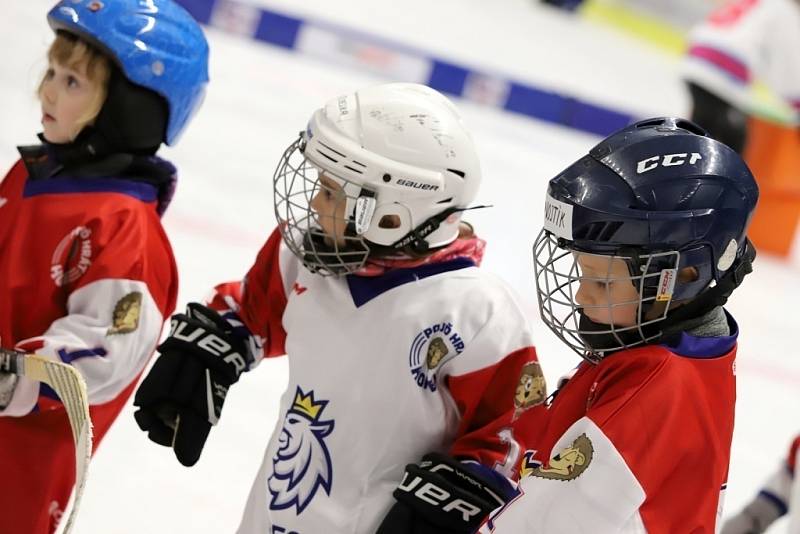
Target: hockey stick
67	382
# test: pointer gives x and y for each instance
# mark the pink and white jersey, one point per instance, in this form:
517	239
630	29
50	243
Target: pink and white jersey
748	40
639	443
382	369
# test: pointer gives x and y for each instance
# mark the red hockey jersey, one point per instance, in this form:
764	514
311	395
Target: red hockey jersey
87	277
638	443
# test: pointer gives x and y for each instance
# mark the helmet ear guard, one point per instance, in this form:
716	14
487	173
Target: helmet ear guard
120	126
395	217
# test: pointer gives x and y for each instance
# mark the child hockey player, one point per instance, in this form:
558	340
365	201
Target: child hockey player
399	347
779	496
643	242
88	276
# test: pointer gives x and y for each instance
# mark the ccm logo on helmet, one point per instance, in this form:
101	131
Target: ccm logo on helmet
417	185
667	160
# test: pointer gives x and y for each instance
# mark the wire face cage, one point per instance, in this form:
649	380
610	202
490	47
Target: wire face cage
597	303
313	210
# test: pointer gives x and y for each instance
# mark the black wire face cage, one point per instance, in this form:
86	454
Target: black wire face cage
559	276
326	243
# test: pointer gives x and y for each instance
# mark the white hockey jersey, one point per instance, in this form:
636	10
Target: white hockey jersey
747	41
382	370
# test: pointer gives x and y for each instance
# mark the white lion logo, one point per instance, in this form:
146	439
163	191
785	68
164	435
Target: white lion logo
302	463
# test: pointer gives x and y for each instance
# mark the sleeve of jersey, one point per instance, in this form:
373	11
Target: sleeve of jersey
587	487
495	380
115	311
255	305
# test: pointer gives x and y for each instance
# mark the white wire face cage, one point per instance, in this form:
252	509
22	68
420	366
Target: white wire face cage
559	275
326	243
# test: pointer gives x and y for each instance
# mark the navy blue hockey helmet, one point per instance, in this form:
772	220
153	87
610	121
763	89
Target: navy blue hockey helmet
661	195
156	44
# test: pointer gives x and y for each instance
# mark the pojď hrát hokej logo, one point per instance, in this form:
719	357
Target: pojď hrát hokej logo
430	349
72	256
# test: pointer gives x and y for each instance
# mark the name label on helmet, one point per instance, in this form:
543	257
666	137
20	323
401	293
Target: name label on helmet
667	160
558	218
417	185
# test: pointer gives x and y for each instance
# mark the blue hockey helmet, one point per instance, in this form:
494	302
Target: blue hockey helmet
661	195
155	43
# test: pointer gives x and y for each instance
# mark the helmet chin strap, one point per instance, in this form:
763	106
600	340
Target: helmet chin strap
604	339
416	238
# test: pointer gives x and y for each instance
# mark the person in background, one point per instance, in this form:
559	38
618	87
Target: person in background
743	41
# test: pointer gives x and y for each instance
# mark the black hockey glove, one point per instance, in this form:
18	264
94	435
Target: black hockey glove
441	496
182	395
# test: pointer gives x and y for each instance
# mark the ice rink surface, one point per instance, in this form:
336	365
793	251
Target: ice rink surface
259	98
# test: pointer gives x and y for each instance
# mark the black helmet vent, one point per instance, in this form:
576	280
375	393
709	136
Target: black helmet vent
598	231
689	126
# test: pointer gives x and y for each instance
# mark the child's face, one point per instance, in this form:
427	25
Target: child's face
66	95
606	293
329	203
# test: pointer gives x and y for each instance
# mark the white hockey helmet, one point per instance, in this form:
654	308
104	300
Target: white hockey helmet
400	153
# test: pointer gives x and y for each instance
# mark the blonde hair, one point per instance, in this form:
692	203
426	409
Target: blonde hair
73	52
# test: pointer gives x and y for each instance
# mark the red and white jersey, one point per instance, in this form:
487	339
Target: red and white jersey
638	443
87	276
783	489
382	370
748	40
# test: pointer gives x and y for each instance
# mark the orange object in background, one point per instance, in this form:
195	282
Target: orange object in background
773	154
